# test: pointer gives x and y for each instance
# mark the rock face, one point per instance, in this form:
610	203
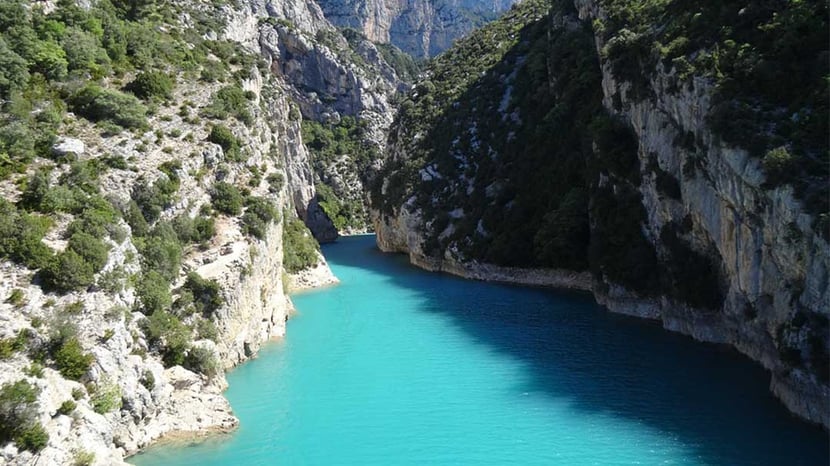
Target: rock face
328	77
420	28
149	401
764	263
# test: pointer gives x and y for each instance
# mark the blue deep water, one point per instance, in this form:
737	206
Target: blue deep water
397	366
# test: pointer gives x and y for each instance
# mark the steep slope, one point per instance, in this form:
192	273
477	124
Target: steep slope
571	148
420	28
149	234
335	80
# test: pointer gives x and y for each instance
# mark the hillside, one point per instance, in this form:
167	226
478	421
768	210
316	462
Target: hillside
156	192
647	151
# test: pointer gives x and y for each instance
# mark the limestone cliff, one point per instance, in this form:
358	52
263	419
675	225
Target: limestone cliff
420	28
672	222
162	178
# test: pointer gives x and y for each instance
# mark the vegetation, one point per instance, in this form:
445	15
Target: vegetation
259	212
301	248
169	336
67	407
747	50
152	85
19	416
207	295
153	291
101	104
83	458
515	166
71	360
489	112
226	198
342	146
20	236
106	398
220	134
202	360
404	65
230	101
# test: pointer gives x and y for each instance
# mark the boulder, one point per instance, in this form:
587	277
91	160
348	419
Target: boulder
68	146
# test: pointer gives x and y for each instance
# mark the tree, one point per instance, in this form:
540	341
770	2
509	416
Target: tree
83	51
152	84
169	335
154	292
50	60
94	251
18	416
96	103
226	198
206	293
68	272
14	72
71	360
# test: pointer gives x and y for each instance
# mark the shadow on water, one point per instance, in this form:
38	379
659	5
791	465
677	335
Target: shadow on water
710	397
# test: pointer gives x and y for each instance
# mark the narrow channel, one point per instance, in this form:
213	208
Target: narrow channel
397	366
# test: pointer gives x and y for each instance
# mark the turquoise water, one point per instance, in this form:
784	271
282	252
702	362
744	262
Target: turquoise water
397	366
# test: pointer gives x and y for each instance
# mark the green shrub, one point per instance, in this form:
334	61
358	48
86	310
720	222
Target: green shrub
148	380
71	360
300	247
112	281
14	71
97	104
169	336
32	437
213	71
202	360
207	294
206	330
152	199
67	407
778	164
18	416
83	52
226	198
220	134
17	298
74	308
7	349
153	291
258	214
229	101
20	237
68	272
162	252
275	182
94	251
136	220
107	398
194	230
84	175
83	458
152	85
35	369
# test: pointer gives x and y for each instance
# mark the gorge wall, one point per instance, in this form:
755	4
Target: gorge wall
420	28
569	141
172	221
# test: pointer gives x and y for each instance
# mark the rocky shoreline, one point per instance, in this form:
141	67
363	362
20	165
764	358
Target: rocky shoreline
796	391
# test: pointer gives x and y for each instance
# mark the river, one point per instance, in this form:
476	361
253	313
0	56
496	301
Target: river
397	366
